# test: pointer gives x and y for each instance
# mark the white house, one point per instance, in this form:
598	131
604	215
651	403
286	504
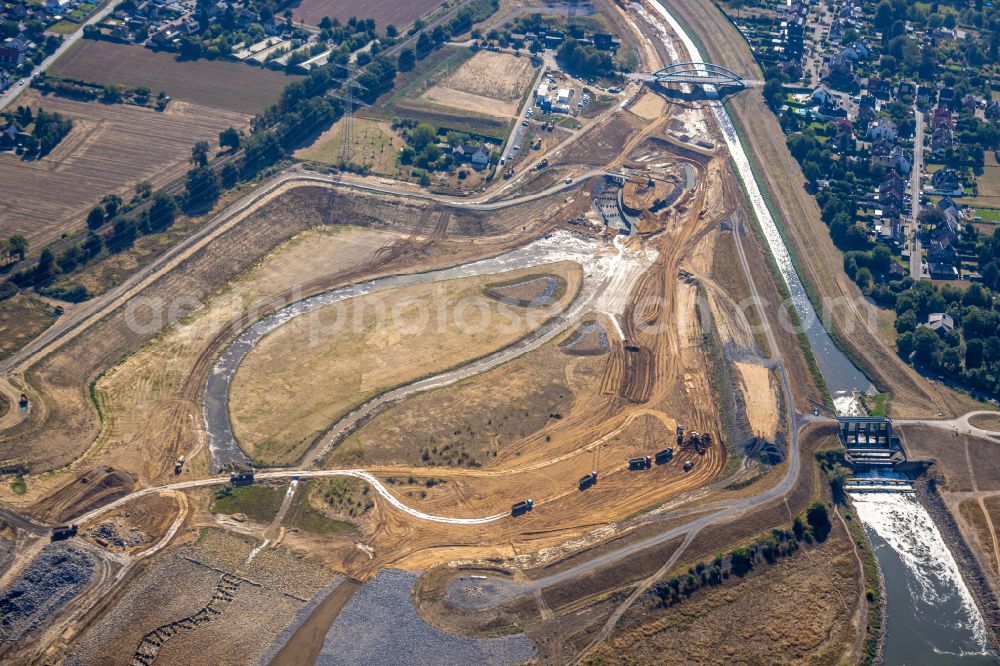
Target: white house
882	129
823	96
56	6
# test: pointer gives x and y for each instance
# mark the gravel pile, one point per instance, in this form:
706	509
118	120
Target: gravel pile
119	534
54	577
380	626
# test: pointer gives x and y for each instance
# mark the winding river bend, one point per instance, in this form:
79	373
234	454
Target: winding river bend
607	275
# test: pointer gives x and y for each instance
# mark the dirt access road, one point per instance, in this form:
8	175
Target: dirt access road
86	314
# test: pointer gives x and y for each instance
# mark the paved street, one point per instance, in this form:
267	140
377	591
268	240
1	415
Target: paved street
916	252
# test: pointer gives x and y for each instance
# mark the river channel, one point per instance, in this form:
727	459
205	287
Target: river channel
931	618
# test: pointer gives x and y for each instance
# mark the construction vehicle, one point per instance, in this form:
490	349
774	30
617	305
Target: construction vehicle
680	434
688	465
665	455
588	481
179	465
63	532
642	462
522	507
241	479
23	402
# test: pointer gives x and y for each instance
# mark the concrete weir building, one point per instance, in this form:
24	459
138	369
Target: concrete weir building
869	441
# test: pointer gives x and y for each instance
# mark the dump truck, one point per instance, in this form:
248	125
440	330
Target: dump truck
241	479
522	507
23	402
680	434
63	532
179	465
588	481
665	455
642	462
688	465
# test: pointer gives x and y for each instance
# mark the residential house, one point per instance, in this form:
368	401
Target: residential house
11	55
891	190
942	117
882	129
880	88
56	6
940	322
896	158
8	135
606	41
946	180
881	147
993	110
867	108
246	17
942	140
480	158
941	260
824	96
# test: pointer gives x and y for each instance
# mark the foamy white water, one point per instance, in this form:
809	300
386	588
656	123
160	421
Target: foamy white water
935	582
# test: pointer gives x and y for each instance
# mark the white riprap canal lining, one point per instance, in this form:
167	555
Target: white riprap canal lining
931	617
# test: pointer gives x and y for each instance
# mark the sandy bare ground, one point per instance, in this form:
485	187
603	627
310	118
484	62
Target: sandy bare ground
761	402
649	107
489	82
139	393
302	377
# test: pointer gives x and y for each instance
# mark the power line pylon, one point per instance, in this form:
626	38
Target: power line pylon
351	85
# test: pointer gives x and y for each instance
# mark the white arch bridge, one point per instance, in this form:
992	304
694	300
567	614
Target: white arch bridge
698	74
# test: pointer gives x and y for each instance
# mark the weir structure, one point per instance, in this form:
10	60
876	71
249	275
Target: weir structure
873	453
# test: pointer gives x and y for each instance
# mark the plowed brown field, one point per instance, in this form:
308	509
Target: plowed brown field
110	149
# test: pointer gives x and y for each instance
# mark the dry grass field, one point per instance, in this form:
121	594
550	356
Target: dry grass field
303	376
219	84
385	12
476	420
987	421
140	393
797	611
489	82
375	144
21	319
110	149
